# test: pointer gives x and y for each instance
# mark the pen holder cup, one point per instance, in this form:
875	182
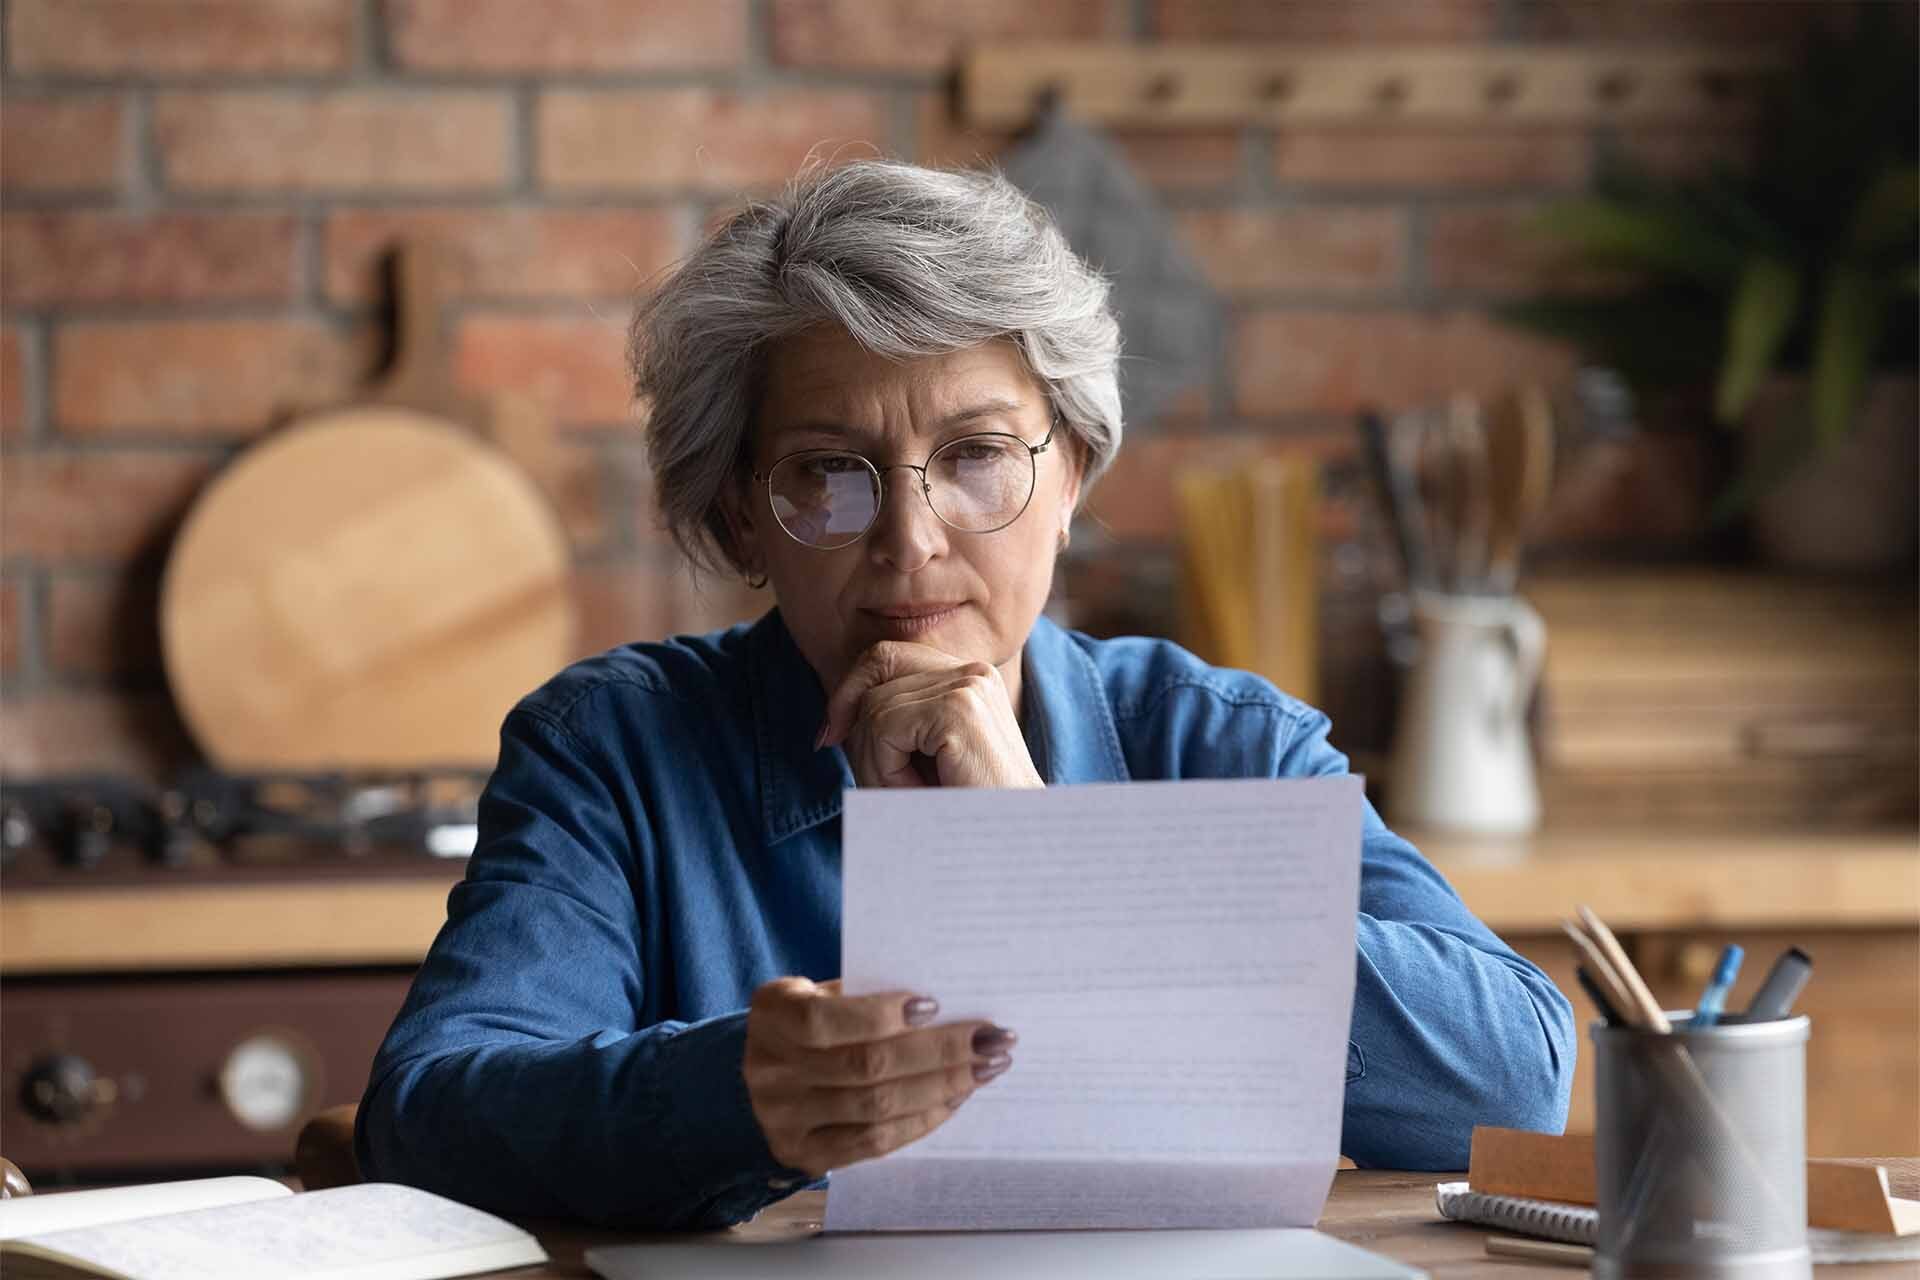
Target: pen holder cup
1700	1151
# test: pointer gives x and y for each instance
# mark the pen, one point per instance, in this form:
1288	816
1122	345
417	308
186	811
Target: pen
1599	997
1706	1011
1776	995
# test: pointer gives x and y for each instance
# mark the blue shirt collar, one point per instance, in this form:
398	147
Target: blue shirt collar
801	787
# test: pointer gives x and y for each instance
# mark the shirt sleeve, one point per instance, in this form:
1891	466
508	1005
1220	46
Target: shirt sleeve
514	1077
1451	1027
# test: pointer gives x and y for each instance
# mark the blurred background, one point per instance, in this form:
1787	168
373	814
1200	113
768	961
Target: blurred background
1528	383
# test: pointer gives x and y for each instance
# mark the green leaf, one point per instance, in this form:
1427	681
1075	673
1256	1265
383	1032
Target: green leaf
1664	239
1853	312
1761	313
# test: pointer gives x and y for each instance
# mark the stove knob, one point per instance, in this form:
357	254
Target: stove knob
89	835
269	1081
63	1089
16	831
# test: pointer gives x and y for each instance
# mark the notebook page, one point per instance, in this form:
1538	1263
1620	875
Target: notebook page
375	1231
1178	960
64	1210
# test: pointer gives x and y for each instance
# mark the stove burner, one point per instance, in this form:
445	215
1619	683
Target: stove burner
208	818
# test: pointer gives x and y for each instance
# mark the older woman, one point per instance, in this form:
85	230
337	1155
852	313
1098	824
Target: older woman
884	394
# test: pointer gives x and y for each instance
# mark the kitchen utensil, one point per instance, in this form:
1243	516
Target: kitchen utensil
371	587
1519	450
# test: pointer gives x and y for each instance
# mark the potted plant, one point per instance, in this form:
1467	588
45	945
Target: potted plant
1790	288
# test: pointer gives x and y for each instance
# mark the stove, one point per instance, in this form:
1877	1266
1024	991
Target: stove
173	1064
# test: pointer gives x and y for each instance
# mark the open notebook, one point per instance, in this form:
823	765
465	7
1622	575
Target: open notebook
253	1229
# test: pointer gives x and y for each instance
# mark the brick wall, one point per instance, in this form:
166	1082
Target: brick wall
197	193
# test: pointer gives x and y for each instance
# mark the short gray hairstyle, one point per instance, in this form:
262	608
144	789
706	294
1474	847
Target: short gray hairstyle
910	262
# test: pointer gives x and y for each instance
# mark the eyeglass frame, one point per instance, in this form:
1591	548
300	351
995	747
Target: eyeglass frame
926	487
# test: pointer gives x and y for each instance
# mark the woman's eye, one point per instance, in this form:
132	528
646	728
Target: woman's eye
836	464
983	452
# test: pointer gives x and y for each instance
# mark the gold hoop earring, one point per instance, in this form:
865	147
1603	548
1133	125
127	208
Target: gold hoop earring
753	585
1066	538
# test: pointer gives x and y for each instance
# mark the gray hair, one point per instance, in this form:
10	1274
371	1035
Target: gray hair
910	262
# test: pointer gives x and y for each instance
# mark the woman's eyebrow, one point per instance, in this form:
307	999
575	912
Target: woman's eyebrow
960	417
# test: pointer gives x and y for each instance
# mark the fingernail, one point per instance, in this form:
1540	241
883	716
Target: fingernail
990	1040
920	1010
820	738
953	1103
992	1067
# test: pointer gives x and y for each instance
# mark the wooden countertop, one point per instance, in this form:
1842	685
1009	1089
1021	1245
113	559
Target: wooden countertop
1636	880
1389	1213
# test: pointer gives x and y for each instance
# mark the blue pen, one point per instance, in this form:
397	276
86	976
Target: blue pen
1714	998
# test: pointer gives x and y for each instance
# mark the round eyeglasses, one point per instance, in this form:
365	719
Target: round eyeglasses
829	498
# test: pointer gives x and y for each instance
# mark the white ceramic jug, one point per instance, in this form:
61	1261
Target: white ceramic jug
1461	759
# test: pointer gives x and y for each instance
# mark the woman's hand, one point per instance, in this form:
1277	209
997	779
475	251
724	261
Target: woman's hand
838	1079
903	700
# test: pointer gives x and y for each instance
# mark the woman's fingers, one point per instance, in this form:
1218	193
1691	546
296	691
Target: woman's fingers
936	1048
816	1017
884	662
838	1146
871	1104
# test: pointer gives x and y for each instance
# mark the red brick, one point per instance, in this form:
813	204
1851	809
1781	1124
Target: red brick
11	635
509	253
168	257
575	365
925	35
1371	158
1320	249
61	143
1496	249
1669	22
13	384
321	140
1180	160
1134	500
169	37
1337	361
1691	153
135	734
620	603
104	626
567	35
1326	20
95	506
1185	159
706	139
206	378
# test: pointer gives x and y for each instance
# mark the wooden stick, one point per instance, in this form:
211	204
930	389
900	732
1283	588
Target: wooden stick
1569	1255
1604	974
1656	1018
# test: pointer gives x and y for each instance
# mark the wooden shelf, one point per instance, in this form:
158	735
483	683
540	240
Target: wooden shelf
1643	880
1184	85
1635	881
318	923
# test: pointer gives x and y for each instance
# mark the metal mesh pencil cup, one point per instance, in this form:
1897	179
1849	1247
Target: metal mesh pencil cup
1700	1151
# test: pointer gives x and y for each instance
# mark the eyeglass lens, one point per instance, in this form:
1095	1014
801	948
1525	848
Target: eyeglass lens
828	499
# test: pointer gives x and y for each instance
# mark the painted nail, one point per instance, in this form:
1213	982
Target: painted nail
990	1040
991	1068
920	1010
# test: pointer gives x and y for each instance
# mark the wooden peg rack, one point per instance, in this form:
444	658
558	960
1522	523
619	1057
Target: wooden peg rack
1181	85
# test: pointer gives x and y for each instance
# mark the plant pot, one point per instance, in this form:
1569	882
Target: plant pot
1853	508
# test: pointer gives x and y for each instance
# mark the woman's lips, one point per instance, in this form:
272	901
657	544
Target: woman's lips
903	622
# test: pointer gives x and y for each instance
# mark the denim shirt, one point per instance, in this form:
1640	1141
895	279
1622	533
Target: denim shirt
660	837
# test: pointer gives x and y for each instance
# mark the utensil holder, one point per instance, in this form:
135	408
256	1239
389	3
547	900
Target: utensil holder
1700	1151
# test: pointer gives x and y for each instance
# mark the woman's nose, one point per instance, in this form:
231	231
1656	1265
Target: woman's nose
906	534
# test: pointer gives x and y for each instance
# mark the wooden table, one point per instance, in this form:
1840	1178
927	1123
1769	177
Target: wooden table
1389	1213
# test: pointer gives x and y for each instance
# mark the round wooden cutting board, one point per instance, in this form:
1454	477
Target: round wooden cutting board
372	588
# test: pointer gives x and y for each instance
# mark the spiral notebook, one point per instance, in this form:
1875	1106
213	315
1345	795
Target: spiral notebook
1579	1224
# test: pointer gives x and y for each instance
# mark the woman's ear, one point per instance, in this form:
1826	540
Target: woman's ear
743	534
